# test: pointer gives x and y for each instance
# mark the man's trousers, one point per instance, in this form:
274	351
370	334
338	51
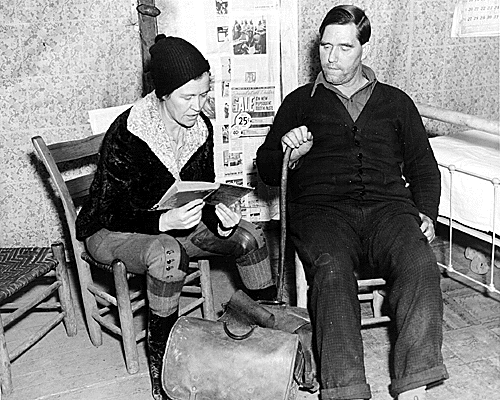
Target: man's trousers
384	240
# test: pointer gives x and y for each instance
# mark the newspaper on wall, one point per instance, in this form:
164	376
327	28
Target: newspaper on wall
476	18
242	42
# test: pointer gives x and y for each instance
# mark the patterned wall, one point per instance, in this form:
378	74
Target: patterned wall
58	59
411	48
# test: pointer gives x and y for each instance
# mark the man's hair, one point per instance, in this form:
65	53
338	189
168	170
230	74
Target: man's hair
347	14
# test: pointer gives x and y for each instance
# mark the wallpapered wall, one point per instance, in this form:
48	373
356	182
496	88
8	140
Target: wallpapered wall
58	59
411	48
61	58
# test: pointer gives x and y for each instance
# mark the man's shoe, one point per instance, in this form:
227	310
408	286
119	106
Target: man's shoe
267	294
413	394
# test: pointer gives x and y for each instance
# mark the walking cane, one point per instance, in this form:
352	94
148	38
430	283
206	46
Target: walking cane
283	188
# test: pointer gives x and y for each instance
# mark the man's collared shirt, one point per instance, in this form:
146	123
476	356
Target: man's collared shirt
354	104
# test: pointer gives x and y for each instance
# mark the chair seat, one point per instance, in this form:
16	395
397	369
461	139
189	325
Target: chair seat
106	267
20	266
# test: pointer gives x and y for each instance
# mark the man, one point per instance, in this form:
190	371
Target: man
363	196
163	138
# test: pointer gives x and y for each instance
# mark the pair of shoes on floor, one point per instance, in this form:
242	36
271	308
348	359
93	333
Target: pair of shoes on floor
414	394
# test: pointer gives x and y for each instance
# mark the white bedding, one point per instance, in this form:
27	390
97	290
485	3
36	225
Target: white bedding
475	152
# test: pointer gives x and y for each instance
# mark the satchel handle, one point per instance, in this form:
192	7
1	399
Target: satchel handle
238	337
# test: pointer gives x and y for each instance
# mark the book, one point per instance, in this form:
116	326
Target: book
182	192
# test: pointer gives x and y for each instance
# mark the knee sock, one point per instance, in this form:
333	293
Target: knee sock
255	269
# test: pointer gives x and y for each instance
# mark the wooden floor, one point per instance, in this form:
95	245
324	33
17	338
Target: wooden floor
73	369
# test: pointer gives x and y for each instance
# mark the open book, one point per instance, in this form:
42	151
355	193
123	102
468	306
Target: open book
182	192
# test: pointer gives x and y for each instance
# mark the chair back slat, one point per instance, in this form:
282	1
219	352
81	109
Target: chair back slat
73	189
79	187
75	149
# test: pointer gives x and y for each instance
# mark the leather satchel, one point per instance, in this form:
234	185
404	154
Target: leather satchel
211	360
241	310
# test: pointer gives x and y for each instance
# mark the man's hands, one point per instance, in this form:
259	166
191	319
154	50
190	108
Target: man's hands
427	227
189	215
300	140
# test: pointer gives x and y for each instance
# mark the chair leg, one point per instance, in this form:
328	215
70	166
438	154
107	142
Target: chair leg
126	317
5	374
64	290
300	283
378	300
206	290
88	298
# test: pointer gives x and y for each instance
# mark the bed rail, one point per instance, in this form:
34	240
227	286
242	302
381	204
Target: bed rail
458	118
484	125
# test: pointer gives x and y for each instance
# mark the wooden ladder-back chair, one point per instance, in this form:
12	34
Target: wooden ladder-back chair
98	302
29	278
369	289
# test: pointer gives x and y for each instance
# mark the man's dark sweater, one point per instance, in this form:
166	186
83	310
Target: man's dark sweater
384	155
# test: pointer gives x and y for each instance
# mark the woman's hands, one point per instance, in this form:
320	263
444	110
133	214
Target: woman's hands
189	215
184	217
229	217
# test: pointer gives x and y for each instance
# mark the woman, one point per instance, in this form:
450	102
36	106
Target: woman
165	137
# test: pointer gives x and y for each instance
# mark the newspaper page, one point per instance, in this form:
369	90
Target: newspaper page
101	118
242	41
476	18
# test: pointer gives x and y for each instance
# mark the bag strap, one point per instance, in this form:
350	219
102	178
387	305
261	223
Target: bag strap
238	337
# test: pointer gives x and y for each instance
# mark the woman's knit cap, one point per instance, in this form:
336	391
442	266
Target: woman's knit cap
174	62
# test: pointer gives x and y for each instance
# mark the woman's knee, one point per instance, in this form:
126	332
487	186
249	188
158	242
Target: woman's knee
249	237
164	254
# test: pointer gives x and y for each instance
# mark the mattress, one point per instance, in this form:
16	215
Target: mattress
478	153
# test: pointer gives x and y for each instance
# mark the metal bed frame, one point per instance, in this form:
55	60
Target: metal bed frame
493	237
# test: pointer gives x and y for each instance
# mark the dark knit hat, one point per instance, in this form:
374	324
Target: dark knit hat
174	62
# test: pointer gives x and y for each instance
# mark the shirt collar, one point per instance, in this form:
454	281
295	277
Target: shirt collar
145	122
365	70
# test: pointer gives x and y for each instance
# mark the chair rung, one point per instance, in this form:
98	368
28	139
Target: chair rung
191	277
371	282
135	295
35	337
191	289
55	305
103	310
374	320
365	296
102	295
141	335
41	296
138	305
191	306
112	327
115	329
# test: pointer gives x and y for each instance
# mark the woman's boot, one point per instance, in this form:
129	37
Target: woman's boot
158	330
